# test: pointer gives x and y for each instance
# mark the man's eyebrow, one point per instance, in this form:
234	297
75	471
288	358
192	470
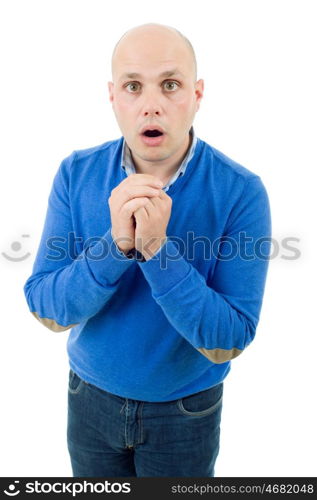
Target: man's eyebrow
168	73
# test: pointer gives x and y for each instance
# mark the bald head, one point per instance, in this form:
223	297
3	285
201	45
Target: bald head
152	35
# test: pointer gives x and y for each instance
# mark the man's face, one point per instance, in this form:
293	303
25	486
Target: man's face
153	85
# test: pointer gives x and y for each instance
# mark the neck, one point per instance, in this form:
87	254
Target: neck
163	169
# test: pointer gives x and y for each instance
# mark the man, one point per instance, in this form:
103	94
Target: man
158	255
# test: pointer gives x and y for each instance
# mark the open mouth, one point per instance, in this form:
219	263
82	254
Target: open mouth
153	137
152	133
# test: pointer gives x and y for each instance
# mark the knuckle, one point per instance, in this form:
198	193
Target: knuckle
131	179
125	210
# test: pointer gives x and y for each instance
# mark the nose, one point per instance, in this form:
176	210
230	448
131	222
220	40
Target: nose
151	105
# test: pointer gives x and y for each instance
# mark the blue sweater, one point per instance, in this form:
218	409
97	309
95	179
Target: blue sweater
165	328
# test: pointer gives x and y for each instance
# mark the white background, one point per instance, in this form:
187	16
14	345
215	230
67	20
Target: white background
258	61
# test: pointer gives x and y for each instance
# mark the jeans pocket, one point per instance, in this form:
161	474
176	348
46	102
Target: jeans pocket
202	403
75	383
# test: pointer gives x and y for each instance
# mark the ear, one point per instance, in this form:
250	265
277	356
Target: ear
199	92
110	89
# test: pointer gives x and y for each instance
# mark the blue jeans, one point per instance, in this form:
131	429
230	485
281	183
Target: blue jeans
111	436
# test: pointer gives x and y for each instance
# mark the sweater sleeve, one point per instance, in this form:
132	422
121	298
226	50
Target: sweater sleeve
218	316
64	291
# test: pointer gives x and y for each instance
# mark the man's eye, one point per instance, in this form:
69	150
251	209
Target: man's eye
171	83
132	84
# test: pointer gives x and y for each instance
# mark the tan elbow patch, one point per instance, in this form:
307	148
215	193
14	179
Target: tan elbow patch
51	323
220	355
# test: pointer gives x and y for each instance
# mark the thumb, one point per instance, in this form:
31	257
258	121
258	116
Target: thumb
139	214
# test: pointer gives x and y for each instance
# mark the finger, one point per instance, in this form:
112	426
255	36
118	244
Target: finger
134	191
161	198
140	214
143	180
153	206
129	192
165	199
163	195
130	207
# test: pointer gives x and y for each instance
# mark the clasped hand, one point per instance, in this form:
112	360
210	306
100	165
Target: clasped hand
140	211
